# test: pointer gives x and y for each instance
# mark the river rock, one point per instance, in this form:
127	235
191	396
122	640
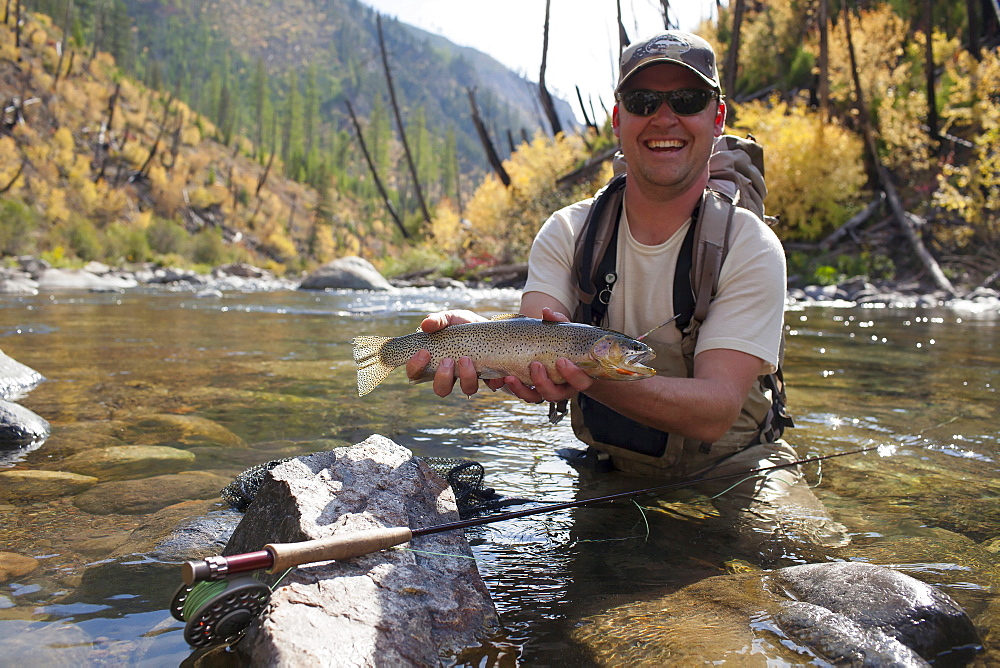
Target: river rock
31	485
22	285
80	279
919	616
20	427
847	613
13	565
184	431
395	607
121	462
141	497
347	273
16	378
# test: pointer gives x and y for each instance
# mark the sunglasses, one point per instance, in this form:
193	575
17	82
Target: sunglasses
683	102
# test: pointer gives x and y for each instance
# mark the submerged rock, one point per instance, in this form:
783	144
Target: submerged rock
20	485
13	565
140	497
402	607
184	431
120	462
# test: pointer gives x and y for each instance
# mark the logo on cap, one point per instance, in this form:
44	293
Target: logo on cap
669	45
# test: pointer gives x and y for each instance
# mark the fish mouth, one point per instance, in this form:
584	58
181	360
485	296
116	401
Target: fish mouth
633	363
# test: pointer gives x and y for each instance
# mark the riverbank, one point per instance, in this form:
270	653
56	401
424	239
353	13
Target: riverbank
34	276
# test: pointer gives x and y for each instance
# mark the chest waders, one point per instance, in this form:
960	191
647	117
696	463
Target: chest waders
635	447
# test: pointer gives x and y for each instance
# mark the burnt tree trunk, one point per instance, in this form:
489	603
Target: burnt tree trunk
399	123
484	137
932	113
824	59
547	104
62	47
371	167
733	54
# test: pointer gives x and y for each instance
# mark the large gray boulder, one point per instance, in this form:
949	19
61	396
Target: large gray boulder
839	613
399	607
346	273
81	279
897	615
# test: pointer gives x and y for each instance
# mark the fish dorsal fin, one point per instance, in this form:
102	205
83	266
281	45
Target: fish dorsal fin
507	316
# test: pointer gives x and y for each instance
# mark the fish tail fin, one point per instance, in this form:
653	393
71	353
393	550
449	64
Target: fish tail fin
372	370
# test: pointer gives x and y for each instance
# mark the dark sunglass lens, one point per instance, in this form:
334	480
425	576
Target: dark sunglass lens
641	102
689	101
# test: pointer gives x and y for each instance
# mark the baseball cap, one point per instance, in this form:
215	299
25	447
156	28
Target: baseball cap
672	47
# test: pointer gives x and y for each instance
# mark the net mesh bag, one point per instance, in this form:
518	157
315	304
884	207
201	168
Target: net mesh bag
464	475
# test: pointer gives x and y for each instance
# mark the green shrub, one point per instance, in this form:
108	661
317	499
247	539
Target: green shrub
127	243
207	247
167	237
85	241
19	222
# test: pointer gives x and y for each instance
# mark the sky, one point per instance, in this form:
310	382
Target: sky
583	35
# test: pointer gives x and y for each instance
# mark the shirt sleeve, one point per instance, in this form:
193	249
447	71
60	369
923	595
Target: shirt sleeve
748	311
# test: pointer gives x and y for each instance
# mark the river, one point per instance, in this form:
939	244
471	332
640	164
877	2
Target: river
275	369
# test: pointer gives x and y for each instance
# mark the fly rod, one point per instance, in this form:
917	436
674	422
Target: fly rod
276	557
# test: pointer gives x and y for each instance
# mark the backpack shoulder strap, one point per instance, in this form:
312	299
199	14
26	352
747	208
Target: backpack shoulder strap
594	241
712	230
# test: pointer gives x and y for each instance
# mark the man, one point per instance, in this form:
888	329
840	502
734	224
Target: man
701	414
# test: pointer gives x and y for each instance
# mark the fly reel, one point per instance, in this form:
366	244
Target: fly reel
218	611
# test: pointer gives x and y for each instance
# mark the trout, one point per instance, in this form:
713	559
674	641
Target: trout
505	346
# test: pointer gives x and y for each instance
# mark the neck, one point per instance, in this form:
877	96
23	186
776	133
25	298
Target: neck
653	218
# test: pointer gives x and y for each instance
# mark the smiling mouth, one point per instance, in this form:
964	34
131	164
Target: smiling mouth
664	144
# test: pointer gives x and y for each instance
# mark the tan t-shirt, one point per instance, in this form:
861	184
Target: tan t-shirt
748	311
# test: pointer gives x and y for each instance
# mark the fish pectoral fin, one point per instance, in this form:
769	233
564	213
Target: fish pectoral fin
487	373
588	365
507	316
425	377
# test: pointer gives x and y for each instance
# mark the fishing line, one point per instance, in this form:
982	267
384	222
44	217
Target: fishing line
663	324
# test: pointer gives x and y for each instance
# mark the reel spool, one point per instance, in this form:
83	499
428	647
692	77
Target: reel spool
218	611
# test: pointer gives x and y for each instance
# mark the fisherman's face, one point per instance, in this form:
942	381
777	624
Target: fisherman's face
667	154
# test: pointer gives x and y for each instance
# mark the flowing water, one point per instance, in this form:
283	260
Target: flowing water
273	373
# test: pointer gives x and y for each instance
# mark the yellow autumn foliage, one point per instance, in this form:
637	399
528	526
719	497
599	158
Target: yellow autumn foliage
503	221
972	190
814	169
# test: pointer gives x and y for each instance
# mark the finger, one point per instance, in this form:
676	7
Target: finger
575	377
494	383
467	376
434	322
438	321
417	364
522	391
444	377
554	316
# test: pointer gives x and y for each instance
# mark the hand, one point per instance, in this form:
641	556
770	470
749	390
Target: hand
543	389
444	376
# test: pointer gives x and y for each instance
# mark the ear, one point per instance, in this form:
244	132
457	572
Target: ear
615	122
720	118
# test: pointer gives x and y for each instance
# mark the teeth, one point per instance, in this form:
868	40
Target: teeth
664	143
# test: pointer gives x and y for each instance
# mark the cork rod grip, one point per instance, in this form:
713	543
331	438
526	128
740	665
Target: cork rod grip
344	546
